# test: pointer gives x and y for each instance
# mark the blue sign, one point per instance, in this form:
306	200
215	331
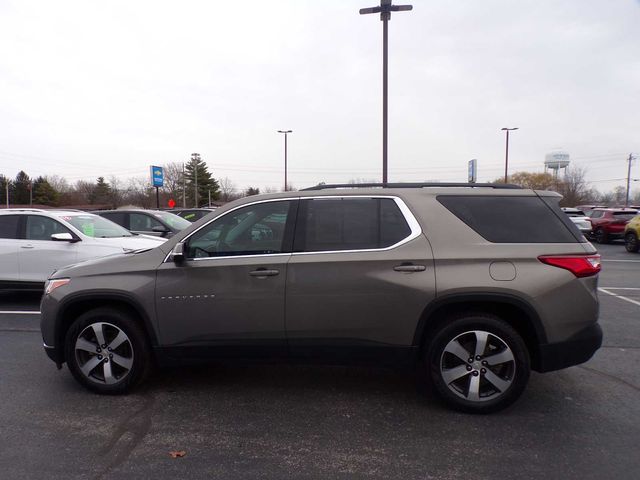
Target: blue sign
157	176
473	170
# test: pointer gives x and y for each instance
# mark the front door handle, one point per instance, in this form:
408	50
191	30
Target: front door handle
26	246
409	268
263	272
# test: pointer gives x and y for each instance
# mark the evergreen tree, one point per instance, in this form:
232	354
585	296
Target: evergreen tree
3	191
44	193
101	193
21	187
196	172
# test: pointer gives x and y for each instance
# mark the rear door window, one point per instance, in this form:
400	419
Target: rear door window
335	224
513	219
9	226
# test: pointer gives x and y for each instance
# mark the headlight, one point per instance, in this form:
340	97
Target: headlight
51	285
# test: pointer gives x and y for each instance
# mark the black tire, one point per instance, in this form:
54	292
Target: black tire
601	236
631	242
466	330
118	370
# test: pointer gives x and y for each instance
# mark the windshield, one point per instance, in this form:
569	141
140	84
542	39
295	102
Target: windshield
172	220
96	226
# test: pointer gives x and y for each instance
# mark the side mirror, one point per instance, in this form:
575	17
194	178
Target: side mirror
62	237
160	229
177	252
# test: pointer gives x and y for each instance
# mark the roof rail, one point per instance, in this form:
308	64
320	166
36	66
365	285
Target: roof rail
22	209
498	186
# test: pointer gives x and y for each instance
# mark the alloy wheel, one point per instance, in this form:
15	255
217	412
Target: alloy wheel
104	353
477	366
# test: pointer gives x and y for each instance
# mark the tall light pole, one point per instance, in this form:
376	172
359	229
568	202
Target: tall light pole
286	132
195	160
385	10
630	160
506	153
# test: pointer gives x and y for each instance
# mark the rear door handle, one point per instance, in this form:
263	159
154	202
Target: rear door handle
409	268
26	246
263	272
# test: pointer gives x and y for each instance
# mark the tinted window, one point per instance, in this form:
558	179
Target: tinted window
512	219
116	217
596	213
143	223
349	224
624	215
9	226
174	221
258	229
41	228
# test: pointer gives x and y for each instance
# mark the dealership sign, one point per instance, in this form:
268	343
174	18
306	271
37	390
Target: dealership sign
157	176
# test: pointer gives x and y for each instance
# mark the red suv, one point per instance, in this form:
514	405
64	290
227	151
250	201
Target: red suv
608	223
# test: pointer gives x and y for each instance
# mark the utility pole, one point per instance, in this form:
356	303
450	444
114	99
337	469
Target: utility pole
31	193
630	160
385	10
6	186
506	154
195	159
184	188
286	132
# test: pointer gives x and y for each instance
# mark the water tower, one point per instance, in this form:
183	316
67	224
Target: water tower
556	160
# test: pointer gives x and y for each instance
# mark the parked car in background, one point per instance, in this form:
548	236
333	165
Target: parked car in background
587	208
632	234
148	222
578	217
192	214
609	223
34	243
470	279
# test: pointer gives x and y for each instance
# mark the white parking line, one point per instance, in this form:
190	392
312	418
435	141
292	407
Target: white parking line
627	261
621	288
635	302
19	312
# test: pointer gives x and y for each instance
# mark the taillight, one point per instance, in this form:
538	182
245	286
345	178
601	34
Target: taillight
581	266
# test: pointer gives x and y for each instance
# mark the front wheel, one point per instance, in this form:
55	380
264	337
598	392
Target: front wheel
107	351
631	242
601	236
478	363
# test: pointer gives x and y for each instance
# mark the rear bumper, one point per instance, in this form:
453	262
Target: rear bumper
574	351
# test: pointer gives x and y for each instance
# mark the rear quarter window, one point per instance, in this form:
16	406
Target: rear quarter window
513	219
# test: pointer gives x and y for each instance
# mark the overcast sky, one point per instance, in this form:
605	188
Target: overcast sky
92	88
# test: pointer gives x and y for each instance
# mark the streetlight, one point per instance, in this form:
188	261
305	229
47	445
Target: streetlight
385	10
506	155
286	132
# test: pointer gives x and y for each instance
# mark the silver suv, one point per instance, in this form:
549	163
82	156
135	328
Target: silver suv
471	280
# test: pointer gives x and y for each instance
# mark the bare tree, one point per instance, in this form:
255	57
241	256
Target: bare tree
117	191
573	186
228	190
140	193
174	181
59	183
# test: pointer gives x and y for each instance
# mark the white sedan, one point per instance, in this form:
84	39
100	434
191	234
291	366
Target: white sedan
580	219
34	243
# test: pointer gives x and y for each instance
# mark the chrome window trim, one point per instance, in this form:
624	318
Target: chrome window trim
411	220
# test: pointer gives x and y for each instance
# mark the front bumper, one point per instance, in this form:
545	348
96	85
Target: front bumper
576	350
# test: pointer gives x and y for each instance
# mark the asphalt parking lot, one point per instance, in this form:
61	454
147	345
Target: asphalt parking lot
280	421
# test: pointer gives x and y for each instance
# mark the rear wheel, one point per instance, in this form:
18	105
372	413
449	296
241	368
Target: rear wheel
478	363
631	242
601	236
107	351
